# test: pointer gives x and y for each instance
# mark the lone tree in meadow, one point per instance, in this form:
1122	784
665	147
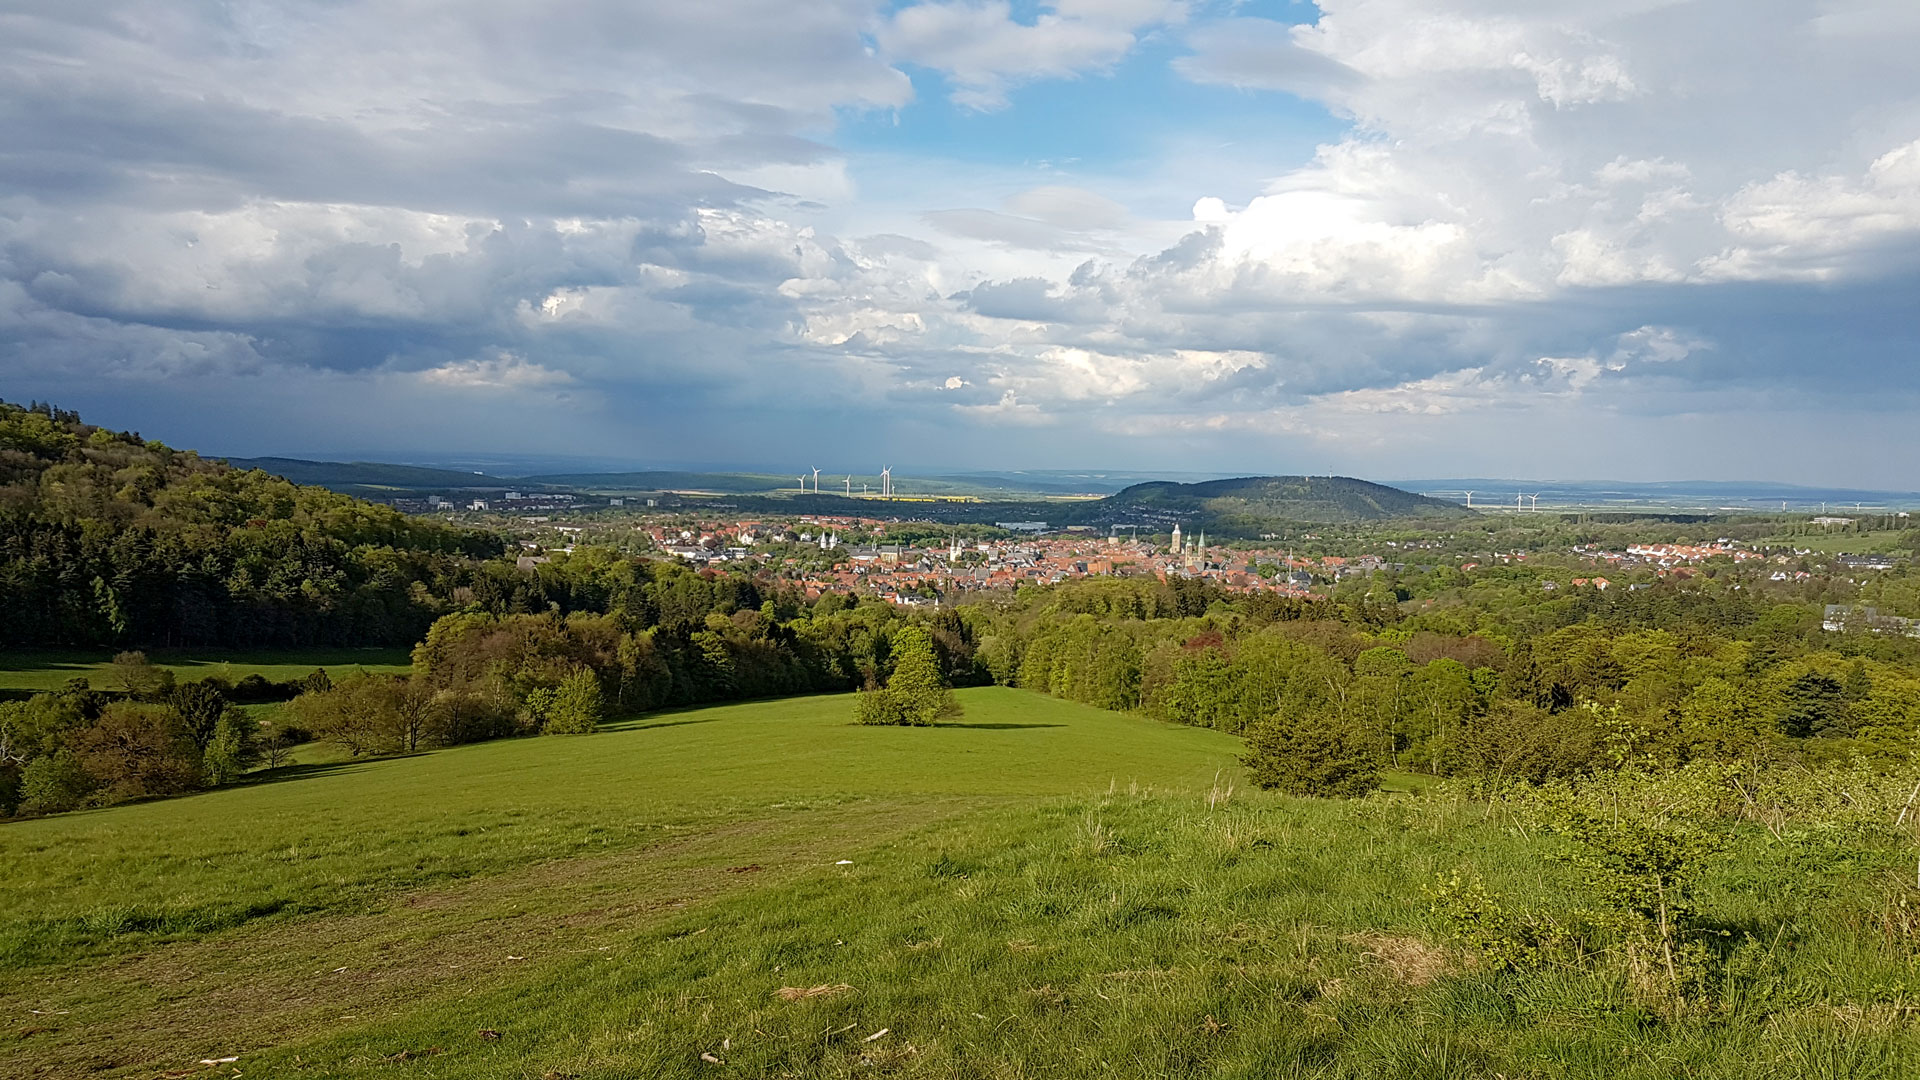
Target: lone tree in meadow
916	694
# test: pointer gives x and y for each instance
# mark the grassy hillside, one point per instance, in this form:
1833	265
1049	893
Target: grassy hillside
332	837
764	890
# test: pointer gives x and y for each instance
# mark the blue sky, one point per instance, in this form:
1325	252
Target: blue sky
1649	240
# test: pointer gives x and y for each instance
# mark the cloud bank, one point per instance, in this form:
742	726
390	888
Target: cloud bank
1640	239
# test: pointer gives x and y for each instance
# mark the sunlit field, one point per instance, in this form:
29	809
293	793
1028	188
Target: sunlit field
38	670
766	890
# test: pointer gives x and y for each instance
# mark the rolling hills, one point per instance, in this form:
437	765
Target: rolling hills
1241	506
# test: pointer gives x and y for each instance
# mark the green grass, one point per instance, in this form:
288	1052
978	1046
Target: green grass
1124	936
329	837
1052	891
51	669
1834	543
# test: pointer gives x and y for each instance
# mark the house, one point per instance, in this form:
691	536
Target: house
1842	617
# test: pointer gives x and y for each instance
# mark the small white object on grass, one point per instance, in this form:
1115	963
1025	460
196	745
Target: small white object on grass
876	1034
844	862
220	1061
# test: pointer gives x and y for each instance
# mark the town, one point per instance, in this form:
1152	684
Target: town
916	563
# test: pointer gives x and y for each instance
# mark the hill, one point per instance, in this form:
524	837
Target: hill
1242	503
109	539
372	477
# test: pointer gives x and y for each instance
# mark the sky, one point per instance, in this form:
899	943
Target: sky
1641	240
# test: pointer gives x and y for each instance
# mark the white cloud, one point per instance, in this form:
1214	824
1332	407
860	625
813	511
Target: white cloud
1539	204
498	371
1815	226
985	52
1008	410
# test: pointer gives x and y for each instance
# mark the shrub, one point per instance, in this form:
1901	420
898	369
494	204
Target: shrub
133	751
875	705
1325	755
54	783
372	714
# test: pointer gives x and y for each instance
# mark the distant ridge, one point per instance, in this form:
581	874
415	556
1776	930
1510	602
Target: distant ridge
355	477
670	480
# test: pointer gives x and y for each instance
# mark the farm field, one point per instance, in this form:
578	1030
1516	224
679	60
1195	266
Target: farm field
762	889
36	670
1839	542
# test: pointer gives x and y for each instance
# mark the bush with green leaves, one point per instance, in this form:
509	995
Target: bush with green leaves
574	707
1307	754
54	782
232	749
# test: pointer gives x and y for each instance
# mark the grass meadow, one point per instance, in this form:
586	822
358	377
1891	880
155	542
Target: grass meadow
36	670
764	890
1836	543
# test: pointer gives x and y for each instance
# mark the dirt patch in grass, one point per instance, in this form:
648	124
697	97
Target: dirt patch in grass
264	986
1408	960
804	993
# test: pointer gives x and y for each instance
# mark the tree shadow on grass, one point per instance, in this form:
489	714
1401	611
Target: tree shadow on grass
629	725
297	771
999	727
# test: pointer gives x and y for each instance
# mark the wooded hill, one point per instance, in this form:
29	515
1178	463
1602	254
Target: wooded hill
108	538
1246	503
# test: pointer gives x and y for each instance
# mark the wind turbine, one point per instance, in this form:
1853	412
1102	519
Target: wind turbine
849	485
803	485
1469	500
886	482
816	480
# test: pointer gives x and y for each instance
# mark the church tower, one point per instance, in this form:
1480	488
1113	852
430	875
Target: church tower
1178	547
